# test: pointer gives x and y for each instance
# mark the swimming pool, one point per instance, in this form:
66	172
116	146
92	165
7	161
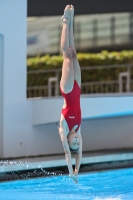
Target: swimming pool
103	185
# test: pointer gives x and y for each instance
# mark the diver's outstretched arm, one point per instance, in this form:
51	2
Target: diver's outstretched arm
78	156
66	150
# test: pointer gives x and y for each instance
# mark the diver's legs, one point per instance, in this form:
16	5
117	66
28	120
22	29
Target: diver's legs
76	67
67	79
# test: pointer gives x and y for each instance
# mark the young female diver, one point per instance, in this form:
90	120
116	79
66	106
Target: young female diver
70	120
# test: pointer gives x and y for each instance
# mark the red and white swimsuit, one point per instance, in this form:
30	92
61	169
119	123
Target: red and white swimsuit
72	112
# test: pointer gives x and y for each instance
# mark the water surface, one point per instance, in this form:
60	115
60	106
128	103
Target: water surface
105	185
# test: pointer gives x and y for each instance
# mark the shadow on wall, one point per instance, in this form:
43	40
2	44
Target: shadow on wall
108	133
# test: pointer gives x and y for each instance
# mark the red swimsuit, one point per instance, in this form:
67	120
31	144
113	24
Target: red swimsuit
72	112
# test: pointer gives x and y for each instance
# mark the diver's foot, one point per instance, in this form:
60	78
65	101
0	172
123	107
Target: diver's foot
67	14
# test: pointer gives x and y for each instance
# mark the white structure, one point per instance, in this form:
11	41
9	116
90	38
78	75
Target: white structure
13	104
27	127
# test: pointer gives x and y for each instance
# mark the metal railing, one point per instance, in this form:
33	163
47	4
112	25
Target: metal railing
124	83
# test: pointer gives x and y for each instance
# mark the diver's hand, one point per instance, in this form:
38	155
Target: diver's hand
74	177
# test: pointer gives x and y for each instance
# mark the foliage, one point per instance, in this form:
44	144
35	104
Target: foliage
85	59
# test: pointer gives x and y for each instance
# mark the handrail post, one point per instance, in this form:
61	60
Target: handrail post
57	84
129	81
50	80
127	75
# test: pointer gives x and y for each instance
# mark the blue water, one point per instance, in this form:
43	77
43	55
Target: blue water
106	185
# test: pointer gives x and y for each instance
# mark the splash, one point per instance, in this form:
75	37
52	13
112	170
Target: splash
23	170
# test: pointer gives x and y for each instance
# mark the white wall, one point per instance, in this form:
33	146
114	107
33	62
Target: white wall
25	138
1	92
48	110
107	124
13	15
108	133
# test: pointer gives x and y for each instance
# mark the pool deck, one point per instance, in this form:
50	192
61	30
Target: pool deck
55	161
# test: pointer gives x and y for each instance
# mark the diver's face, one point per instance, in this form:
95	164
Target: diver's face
73	140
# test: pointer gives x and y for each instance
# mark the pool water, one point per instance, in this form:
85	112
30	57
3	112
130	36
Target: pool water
103	185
